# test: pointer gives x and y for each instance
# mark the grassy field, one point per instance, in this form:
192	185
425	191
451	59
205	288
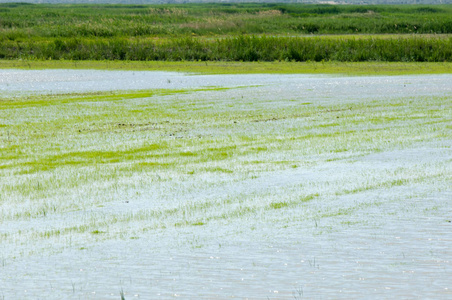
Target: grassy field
222	32
20	21
240	48
348	68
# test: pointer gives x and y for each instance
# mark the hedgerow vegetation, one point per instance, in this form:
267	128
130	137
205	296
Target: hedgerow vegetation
228	32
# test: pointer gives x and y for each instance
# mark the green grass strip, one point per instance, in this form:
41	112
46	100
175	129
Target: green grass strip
346	68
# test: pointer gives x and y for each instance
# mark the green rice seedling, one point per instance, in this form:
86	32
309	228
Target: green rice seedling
82	173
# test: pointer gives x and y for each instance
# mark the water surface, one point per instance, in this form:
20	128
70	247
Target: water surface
382	242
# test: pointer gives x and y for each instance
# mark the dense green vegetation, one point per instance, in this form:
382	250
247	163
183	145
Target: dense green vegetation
242	48
228	32
18	21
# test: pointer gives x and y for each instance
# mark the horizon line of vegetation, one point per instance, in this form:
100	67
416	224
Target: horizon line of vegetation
225	32
22	21
237	48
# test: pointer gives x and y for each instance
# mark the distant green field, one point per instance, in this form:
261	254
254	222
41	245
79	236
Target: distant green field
226	32
218	67
19	21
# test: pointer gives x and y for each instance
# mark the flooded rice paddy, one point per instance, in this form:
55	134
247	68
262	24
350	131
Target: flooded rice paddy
163	185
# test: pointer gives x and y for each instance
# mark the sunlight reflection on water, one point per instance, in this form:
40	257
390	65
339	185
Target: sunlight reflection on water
13	82
400	246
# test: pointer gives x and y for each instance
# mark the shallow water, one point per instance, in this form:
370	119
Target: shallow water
378	243
13	82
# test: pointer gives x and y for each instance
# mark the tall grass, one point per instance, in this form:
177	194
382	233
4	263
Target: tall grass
239	32
240	48
20	21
